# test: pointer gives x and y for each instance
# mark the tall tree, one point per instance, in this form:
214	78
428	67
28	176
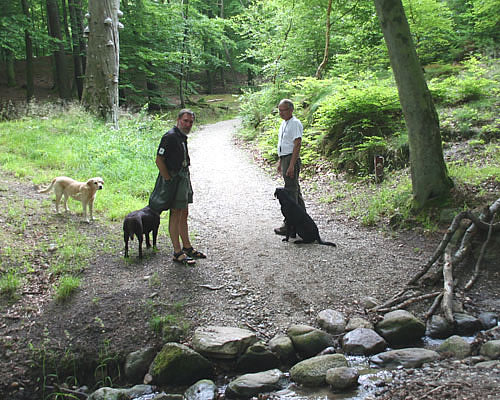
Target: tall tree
63	80
429	174
29	54
322	66
100	92
76	34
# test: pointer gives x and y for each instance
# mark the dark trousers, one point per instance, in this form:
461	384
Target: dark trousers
292	184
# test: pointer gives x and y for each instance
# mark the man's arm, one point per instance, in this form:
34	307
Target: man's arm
162	167
295	155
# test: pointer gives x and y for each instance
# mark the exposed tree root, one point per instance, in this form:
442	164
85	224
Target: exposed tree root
453	248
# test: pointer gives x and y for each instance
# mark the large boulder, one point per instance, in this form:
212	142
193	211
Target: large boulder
312	372
342	378
201	390
222	342
466	324
107	393
363	341
488	319
438	327
258	357
282	346
455	346
400	328
491	349
358	322
177	364
137	364
331	321
406	358
309	341
249	385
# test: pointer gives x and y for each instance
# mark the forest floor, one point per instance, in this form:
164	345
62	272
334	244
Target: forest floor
250	278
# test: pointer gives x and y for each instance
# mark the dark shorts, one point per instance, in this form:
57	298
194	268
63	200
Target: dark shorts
184	194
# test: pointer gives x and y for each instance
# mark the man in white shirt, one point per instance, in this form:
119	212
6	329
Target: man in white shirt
289	142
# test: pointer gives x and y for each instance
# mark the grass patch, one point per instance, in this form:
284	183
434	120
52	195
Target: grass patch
10	282
67	285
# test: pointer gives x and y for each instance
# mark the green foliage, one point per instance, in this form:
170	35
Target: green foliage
67	285
10	282
358	122
466	86
431	25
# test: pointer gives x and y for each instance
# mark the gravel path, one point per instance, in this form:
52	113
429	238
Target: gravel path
271	282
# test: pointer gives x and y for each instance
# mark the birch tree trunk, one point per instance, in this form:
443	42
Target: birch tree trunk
100	91
429	174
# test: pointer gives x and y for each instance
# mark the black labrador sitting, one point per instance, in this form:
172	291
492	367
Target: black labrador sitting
140	223
297	220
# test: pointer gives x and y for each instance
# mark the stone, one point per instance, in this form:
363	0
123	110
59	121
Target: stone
488	364
406	358
282	346
107	393
363	341
439	328
342	378
258	357
491	349
177	364
222	342
312	372
172	333
137	364
331	321
309	341
369	302
466	325
400	328
249	385
358	322
456	346
488	319
204	389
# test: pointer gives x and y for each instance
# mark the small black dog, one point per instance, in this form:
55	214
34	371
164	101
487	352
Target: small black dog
297	220
140	223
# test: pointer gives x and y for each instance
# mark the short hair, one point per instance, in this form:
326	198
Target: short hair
185	111
288	102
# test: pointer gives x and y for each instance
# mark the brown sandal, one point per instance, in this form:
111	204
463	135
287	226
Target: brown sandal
193	253
186	260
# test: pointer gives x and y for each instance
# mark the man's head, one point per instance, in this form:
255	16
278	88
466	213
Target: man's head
185	120
286	109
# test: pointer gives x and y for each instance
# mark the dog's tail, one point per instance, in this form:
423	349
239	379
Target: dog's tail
320	241
47	189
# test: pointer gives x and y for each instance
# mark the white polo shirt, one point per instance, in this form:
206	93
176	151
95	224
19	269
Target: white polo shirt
288	132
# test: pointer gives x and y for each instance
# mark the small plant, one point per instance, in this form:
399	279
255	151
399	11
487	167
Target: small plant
10	282
67	285
108	369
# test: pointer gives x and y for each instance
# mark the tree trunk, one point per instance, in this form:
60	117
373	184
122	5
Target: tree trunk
322	66
81	39
76	32
100	92
30	90
429	174
183	74
11	71
62	73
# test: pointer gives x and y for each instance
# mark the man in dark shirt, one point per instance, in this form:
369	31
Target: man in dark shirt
172	160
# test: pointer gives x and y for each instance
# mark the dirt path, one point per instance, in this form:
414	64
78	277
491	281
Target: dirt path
234	215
